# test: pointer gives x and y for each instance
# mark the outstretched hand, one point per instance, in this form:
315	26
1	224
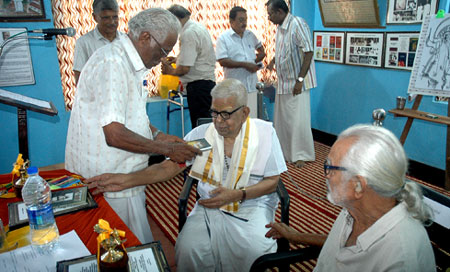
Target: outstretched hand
181	152
281	230
168	138
221	196
108	183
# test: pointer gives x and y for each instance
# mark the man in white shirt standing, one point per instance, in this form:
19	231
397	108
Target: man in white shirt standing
109	129
296	75
240	53
106	14
195	64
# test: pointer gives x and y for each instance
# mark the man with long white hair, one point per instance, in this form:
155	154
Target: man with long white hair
380	227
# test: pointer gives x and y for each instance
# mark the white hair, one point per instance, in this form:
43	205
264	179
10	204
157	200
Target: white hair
378	156
231	87
159	22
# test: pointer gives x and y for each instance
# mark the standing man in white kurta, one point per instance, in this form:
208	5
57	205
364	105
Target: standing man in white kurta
240	53
106	14
296	76
109	130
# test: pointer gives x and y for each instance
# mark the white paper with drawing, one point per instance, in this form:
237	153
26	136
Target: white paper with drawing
431	71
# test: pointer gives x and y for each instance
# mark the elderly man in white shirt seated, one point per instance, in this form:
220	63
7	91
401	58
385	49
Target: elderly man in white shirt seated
380	227
237	182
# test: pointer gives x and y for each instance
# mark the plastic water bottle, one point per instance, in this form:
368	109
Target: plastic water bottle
37	197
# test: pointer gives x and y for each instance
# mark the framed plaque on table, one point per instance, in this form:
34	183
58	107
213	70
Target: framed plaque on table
147	257
63	201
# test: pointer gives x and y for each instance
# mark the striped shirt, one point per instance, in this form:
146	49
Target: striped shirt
292	40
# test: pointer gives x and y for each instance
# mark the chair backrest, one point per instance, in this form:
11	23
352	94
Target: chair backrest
204	120
436	231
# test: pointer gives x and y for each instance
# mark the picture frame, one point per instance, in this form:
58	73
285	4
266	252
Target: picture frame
329	46
350	13
409	11
400	50
22	10
15	57
64	201
429	75
148	257
364	48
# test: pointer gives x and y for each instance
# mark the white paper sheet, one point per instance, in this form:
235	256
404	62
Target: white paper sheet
27	258
441	212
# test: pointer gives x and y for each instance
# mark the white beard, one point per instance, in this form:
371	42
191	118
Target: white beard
330	196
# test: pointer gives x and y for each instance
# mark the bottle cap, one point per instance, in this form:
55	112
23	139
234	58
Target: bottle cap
440	14
32	170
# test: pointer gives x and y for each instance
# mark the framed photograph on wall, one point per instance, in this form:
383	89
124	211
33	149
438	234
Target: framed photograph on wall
400	50
349	13
329	46
409	11
22	10
364	48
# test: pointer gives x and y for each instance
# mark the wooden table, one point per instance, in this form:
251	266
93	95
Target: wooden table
82	222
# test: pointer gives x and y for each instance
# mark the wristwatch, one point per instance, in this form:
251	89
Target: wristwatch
300	79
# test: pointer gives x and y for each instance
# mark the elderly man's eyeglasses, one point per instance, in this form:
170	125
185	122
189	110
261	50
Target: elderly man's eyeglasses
224	114
162	49
327	167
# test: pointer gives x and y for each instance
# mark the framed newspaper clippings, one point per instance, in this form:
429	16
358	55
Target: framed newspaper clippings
329	46
350	13
409	11
22	10
364	48
400	50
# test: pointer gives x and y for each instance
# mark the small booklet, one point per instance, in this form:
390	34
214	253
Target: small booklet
201	144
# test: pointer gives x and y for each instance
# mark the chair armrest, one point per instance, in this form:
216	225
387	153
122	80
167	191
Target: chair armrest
285	201
283	258
182	202
283	244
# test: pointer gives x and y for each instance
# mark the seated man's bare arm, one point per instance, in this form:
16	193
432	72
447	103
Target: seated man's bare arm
281	230
117	182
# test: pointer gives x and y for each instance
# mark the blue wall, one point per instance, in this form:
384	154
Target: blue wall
347	94
47	134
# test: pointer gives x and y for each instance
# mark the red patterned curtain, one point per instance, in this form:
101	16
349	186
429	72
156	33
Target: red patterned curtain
212	14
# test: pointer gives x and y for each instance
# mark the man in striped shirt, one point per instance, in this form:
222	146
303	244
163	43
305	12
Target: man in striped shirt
295	69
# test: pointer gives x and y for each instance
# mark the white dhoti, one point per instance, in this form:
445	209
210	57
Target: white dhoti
212	240
131	211
292	122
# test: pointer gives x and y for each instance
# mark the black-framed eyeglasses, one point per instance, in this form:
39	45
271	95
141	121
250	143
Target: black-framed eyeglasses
162	49
327	167
224	114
